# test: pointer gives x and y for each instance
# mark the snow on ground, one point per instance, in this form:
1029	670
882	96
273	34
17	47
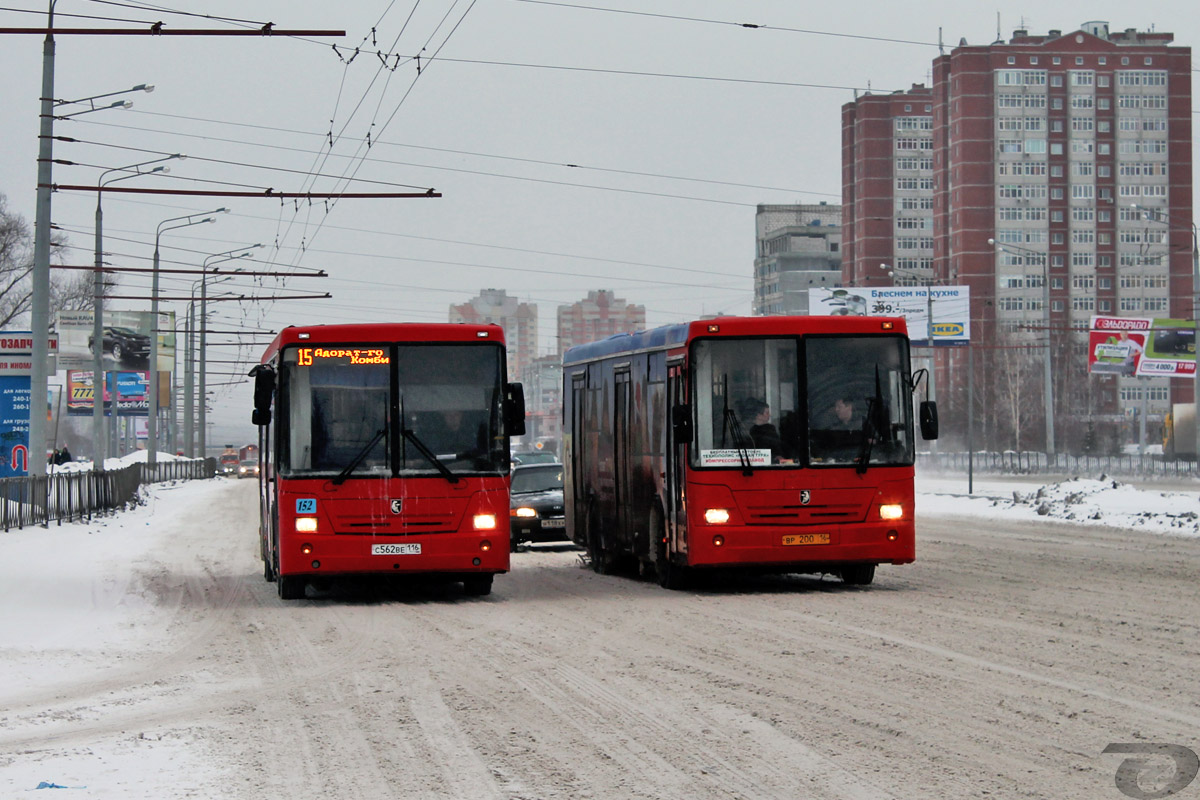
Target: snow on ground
72	604
1090	501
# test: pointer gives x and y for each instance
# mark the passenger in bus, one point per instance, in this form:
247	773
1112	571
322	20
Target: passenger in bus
756	415
843	418
454	434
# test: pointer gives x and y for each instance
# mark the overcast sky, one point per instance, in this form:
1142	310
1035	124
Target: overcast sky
679	120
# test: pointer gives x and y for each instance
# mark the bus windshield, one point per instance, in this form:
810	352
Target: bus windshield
786	402
344	403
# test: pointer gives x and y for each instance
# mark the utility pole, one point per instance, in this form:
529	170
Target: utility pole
39	316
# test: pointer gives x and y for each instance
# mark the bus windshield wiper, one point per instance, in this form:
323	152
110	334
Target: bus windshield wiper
730	422
345	473
429	456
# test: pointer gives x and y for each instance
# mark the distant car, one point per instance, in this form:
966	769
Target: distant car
536	508
228	464
247	469
124	344
534	457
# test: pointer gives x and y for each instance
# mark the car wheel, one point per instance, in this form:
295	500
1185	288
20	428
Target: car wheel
117	351
477	585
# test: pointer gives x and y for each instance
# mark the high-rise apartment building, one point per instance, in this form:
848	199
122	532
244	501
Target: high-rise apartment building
887	186
519	321
1043	144
797	248
598	316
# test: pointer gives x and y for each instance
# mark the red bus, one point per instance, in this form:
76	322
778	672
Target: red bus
783	444
384	449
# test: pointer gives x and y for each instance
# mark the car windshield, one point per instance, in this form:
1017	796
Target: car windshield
382	410
537	457
537	479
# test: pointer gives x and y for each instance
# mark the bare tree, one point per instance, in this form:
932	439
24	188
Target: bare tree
71	292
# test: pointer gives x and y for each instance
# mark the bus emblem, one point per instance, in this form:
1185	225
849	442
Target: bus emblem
396	504
805	496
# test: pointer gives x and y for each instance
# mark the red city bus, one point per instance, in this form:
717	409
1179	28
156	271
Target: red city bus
384	449
776	443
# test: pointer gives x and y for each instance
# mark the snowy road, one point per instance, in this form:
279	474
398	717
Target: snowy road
1000	664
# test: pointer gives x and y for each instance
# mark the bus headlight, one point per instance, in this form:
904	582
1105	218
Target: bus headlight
891	511
485	522
525	512
716	516
306	524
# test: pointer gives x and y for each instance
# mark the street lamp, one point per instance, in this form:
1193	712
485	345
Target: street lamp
39	300
217	258
91	101
131	171
1165	218
928	281
1048	388
152	420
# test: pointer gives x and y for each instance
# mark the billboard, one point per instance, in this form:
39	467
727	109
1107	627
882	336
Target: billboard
14	425
950	307
16	353
128	389
126	340
1144	347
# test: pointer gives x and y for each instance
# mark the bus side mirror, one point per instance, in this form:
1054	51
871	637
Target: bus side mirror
929	419
264	389
681	422
514	409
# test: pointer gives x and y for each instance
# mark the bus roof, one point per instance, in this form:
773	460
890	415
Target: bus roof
672	335
383	332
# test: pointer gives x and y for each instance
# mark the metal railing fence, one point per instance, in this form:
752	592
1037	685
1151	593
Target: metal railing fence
68	496
1028	462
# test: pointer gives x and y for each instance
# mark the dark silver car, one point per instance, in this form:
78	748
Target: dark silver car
536	508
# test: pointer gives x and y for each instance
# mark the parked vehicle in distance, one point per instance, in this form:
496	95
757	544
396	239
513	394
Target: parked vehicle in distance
527	457
247	469
124	344
228	465
536	507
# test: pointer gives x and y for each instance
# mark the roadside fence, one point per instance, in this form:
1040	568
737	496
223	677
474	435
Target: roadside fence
1027	462
68	496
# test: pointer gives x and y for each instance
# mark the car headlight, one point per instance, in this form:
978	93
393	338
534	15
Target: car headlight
525	512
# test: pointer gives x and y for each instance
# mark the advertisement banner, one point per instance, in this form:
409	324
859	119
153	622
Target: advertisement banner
129	389
16	353
1144	347
949	306
126	341
14	426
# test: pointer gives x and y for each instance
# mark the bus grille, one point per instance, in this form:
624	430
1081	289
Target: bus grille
784	507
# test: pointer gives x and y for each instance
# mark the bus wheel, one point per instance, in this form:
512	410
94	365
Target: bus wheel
670	575
290	587
268	571
477	585
858	575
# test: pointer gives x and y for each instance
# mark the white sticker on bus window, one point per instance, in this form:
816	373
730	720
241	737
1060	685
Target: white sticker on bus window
734	458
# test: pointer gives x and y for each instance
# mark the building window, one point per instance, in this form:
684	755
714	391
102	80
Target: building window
1148	61
1124	61
1056	283
1056	80
1056	103
1103	103
1078	60
1102	126
1012	59
1056	126
907	107
1103	60
1056	305
1056	60
1102	81
1056	148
